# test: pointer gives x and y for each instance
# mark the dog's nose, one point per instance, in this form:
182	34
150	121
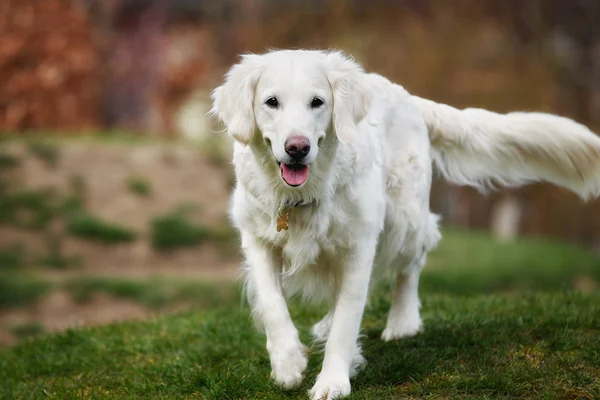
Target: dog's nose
297	147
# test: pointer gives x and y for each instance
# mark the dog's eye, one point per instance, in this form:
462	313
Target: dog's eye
272	102
316	103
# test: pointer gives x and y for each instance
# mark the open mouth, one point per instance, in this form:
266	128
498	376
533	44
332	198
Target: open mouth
294	174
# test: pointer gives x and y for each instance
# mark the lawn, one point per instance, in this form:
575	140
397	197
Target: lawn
501	321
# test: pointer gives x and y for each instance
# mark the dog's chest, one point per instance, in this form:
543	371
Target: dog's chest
314	233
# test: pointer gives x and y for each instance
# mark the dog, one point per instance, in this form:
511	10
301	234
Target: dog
333	171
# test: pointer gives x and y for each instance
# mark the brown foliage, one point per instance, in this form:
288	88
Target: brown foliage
48	64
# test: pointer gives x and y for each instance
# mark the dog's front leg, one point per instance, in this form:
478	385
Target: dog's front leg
287	354
341	347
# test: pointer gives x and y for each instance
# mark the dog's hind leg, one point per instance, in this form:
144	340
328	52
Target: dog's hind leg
404	319
320	332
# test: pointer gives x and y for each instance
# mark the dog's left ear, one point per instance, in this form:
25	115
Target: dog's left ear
351	95
233	101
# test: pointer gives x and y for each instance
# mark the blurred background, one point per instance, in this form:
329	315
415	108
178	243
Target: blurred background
114	185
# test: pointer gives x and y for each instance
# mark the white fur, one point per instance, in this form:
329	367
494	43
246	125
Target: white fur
479	147
372	149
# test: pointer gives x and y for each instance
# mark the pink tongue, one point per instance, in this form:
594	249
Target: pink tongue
294	176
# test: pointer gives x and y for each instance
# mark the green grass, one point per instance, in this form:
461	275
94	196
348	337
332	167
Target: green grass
55	259
531	346
11	257
29	209
22	289
154	293
176	230
8	161
27	330
47	151
501	322
139	186
87	226
19	289
470	263
36	208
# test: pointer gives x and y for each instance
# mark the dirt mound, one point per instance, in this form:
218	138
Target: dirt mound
129	186
120	188
58	311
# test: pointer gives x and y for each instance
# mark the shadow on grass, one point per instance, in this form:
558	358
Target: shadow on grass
482	348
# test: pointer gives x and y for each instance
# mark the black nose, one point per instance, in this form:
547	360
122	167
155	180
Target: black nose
297	147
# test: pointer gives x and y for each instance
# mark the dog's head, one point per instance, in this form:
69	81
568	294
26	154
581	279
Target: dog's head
293	99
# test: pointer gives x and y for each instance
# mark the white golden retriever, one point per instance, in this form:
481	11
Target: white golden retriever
334	169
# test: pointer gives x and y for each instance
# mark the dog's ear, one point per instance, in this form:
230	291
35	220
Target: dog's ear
233	101
351	95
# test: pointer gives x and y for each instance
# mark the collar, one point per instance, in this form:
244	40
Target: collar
299	203
283	213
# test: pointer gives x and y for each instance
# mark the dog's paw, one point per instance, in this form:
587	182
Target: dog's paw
402	328
288	364
330	386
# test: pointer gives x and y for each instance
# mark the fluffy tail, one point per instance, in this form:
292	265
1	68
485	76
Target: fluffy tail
480	148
